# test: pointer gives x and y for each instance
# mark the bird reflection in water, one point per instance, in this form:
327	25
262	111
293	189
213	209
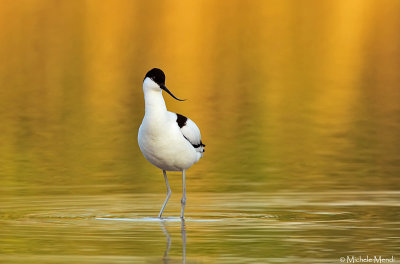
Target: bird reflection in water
168	237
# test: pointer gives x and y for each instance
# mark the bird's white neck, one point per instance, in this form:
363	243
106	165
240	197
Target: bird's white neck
154	102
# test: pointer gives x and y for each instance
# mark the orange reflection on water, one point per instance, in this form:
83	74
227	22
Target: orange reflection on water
279	88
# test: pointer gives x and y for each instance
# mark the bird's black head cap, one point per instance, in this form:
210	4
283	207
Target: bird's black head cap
157	76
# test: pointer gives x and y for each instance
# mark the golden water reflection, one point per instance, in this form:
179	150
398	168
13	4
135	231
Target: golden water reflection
281	90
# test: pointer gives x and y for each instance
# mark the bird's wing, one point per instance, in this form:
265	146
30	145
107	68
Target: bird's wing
190	131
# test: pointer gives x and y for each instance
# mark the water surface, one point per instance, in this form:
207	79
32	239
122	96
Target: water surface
298	105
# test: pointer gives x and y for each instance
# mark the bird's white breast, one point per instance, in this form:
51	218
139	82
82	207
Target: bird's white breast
163	144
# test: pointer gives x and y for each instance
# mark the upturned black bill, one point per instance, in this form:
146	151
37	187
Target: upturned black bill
165	89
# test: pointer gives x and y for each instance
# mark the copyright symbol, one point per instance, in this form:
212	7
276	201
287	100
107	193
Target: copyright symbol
342	259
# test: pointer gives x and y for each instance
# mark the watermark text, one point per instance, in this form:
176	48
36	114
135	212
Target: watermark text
367	259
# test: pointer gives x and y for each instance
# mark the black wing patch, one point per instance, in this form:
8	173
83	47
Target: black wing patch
181	120
199	145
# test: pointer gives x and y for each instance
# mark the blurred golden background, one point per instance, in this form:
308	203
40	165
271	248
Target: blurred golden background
305	92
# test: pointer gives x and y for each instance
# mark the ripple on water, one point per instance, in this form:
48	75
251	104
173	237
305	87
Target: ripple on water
158	219
267	225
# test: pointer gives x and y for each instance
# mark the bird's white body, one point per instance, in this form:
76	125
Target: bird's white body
170	141
162	142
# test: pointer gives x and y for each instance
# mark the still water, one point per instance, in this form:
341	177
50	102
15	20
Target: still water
298	104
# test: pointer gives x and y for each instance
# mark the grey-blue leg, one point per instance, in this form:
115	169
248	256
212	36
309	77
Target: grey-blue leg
168	193
183	201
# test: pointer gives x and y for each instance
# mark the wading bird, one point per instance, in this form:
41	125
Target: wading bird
169	141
